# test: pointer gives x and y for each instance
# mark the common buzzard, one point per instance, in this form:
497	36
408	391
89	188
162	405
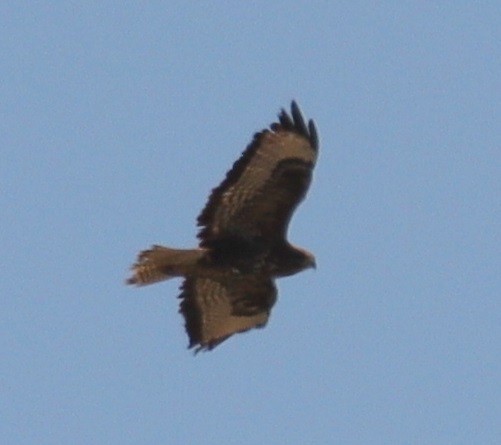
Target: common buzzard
229	279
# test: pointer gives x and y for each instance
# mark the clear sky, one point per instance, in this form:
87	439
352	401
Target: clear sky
117	118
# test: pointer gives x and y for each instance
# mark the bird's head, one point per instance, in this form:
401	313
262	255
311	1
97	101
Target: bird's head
309	260
306	259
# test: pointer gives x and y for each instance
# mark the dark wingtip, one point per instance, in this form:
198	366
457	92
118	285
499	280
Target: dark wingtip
285	121
295	122
312	129
298	118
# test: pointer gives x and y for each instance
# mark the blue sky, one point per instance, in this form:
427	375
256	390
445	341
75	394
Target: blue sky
117	118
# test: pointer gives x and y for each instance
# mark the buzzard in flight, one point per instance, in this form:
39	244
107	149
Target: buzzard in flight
229	279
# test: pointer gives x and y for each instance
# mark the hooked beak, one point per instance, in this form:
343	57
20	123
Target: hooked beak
312	263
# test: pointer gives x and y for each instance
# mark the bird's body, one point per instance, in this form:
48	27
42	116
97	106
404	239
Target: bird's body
229	279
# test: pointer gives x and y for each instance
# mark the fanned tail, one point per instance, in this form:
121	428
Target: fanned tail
161	263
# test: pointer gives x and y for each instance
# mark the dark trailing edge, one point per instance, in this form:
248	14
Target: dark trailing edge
191	314
296	125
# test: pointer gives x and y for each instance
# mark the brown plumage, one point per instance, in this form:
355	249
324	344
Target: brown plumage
229	280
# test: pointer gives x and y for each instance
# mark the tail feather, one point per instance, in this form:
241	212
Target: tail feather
161	263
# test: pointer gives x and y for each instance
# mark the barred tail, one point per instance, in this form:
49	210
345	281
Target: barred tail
161	263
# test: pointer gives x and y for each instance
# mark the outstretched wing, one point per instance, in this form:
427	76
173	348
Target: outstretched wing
214	310
261	191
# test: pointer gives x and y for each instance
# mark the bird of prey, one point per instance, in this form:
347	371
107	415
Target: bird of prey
229	280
